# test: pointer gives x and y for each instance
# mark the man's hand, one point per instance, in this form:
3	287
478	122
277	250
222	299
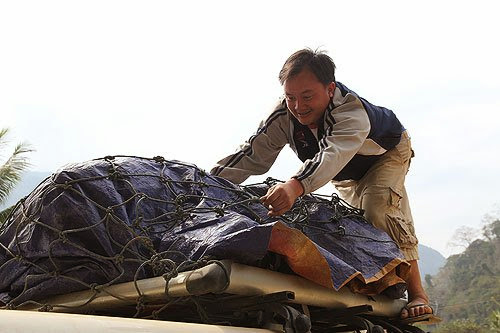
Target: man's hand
281	197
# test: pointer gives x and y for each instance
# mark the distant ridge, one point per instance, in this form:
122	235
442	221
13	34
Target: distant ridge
430	260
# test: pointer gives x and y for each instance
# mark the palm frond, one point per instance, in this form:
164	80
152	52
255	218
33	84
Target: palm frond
3	134
11	170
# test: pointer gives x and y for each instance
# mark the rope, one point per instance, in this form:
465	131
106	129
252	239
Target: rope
138	252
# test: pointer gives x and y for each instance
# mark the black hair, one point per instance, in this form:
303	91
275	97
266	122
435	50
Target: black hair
316	61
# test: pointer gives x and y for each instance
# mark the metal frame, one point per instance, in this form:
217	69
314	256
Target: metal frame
228	292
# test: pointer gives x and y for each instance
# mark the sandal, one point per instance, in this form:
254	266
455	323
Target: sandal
426	318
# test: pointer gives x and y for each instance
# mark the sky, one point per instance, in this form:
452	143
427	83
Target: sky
191	80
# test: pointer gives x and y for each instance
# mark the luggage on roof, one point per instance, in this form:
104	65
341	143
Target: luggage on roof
119	219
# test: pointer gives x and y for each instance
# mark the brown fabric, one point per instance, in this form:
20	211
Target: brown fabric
377	287
304	259
301	254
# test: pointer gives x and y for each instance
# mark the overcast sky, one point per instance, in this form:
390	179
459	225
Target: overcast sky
190	80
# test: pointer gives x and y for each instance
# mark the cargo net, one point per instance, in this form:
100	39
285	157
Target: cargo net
123	218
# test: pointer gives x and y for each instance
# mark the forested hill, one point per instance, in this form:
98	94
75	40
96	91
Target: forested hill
468	286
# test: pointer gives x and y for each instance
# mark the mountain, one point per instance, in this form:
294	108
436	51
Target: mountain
29	180
430	260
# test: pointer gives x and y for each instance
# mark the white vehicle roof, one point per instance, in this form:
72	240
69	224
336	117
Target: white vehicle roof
15	321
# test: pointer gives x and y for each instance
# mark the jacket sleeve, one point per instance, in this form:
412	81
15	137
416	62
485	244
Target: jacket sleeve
346	128
258	153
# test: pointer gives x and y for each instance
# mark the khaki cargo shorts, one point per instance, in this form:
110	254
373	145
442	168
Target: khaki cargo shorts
382	195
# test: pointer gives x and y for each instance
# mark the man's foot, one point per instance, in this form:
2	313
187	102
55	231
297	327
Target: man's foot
418	302
418	307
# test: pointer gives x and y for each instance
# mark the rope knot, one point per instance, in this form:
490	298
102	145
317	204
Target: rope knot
119	259
115	175
10	306
219	210
140	304
159	159
270	181
170	275
95	288
137	222
155	314
63	237
46	308
180	199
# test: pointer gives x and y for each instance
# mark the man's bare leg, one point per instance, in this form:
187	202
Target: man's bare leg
416	294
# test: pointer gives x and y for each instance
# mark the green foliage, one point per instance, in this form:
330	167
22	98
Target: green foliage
11	170
492	229
466	291
494	322
460	326
470	326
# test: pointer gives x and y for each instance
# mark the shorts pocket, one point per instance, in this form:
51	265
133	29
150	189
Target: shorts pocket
401	228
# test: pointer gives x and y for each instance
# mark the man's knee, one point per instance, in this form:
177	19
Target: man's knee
382	207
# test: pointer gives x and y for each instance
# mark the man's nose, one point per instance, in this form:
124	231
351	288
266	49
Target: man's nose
297	104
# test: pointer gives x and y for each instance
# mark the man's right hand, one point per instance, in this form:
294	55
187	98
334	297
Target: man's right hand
281	197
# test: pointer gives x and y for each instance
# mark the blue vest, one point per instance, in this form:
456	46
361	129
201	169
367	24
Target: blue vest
385	130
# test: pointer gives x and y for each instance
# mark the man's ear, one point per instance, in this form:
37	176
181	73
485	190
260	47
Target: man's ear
331	89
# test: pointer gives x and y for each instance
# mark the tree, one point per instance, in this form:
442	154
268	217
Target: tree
467	288
463	237
12	168
428	280
491	224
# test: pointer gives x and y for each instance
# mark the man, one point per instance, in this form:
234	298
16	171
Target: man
362	148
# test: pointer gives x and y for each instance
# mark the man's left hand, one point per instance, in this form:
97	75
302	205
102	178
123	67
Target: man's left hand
281	197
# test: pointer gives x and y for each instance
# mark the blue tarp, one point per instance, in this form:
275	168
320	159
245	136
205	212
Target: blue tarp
96	222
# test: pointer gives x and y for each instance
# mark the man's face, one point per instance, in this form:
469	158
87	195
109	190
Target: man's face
306	97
